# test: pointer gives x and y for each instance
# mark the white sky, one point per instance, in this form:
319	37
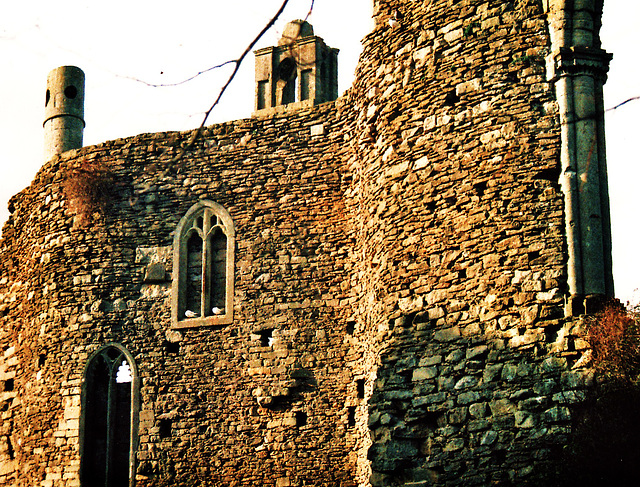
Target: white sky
165	42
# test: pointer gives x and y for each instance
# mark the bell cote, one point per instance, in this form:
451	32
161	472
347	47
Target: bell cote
301	71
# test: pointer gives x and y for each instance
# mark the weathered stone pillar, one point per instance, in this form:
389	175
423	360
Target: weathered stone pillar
578	67
64	111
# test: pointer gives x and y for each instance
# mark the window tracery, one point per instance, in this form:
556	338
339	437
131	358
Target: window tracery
203	267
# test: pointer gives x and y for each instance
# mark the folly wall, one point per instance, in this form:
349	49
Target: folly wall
462	248
405	249
202	390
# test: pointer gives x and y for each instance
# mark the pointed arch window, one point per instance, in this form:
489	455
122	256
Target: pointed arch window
203	267
109	419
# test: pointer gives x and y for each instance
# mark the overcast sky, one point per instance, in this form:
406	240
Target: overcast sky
166	42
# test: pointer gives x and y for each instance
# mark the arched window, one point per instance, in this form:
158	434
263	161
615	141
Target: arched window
108	432
203	253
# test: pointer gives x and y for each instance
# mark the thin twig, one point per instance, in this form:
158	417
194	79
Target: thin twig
205	71
634	98
177	83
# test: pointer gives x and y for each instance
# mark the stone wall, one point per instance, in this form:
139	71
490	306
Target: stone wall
244	412
459	216
404	248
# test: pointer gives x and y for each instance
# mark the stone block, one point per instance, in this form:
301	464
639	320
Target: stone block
424	373
447	335
155	273
501	407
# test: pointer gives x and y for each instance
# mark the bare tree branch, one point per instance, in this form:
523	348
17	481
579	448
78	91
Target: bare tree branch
634	98
237	63
177	83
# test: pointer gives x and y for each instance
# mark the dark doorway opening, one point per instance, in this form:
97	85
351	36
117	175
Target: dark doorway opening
107	426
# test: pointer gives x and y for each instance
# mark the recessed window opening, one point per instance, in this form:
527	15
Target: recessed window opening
203	267
8	385
165	428
47	98
351	416
42	358
171	347
305	82
10	452
262	94
266	337
451	98
289	92
287	72
351	326
360	388
107	424
301	418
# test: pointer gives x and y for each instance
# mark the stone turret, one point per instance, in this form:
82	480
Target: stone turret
64	111
300	71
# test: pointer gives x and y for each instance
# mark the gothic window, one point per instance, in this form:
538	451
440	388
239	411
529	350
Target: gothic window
203	267
109	419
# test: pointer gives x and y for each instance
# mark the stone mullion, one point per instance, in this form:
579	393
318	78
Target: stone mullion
111	412
205	298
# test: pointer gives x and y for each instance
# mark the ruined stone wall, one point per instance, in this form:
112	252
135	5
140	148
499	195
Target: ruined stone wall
405	244
460	245
76	285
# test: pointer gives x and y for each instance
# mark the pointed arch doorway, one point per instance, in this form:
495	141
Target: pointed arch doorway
109	419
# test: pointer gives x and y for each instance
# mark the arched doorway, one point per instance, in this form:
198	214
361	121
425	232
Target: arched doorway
109	419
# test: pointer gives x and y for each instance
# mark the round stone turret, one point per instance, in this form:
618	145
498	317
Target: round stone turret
64	111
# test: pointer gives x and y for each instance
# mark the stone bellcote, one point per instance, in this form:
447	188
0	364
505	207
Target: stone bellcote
301	71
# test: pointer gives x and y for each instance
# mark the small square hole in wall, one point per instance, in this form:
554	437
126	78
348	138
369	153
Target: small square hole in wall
8	385
42	358
351	326
165	428
351	416
360	388
171	347
301	418
266	337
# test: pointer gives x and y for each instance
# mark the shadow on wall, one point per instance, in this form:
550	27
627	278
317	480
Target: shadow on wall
604	448
455	408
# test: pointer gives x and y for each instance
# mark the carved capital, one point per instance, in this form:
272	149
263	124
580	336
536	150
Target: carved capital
572	61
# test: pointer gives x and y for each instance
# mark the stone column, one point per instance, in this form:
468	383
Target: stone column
64	111
578	67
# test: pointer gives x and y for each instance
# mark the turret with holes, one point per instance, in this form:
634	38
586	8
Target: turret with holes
64	111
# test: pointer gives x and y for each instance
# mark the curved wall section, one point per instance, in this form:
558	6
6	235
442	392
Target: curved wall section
400	277
460	245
